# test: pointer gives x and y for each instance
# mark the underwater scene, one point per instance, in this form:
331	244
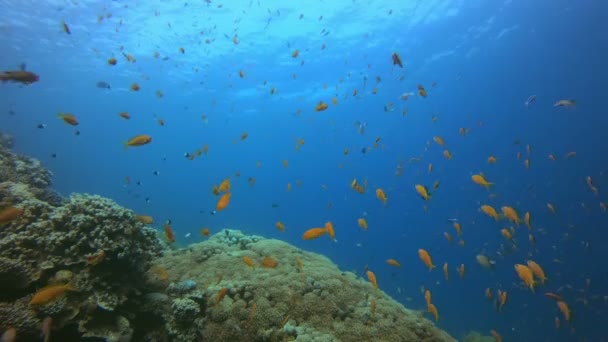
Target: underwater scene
317	170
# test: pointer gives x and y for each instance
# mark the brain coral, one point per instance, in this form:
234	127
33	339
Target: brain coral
304	298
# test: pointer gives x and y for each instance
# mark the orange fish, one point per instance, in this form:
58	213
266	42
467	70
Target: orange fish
169	233
489	293
222	203
446	271
381	195
421	91
461	270
269	262
439	140
50	293
537	271
205	232
372	279
563	307
481	180
423	192
393	262
526	275
496	336
527	220
220	295
112	61
329	227
447	236
490	211
362	223
511	214
433	311
295	53
145	219
244	135
9	214
458	228
321	106
491	160
138	140
68	118
447	154
427	297
135	87
224	185
314	233
280	226
426	258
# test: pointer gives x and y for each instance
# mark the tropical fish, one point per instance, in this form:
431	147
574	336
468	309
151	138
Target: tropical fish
138	140
481	180
426	258
50	293
20	76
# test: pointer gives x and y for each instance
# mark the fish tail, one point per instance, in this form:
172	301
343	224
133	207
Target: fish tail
125	145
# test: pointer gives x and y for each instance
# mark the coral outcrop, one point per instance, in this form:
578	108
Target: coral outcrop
90	242
216	296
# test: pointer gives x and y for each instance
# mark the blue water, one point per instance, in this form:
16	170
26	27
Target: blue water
486	58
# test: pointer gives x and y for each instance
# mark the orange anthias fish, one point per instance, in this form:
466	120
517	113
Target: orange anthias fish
481	180
527	219
511	214
526	275
372	279
446	271
68	118
563	307
427	297
537	270
426	258
169	233
224	185
222	203
9	214
381	195
329	227
423	192
50	293
362	222
138	140
393	262
490	211
439	140
433	311
421	91
314	233
145	219
20	76
321	106
280	226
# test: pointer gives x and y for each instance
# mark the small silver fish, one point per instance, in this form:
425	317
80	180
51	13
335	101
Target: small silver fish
530	100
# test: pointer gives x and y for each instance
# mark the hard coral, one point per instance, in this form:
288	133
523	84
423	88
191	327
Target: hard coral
311	301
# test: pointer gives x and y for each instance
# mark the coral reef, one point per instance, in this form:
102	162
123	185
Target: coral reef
100	274
90	242
300	296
